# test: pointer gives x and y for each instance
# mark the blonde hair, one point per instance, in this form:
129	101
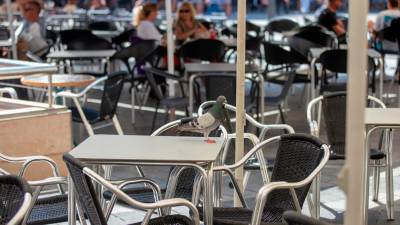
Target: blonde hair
143	12
189	6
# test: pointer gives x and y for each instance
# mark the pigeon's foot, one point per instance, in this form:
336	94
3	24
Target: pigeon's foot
209	141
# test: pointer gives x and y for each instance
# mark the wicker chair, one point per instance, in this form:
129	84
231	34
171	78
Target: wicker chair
295	218
332	110
254	163
82	178
300	157
43	210
15	198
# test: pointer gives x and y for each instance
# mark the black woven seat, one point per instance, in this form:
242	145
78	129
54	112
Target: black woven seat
13	192
297	157
48	210
295	218
90	204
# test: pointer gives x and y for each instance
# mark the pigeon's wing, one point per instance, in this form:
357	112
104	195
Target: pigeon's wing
206	120
198	124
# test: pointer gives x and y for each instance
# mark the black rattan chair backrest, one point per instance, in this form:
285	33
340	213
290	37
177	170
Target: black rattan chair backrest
103	25
298	155
276	55
334	60
111	94
89	43
221	84
138	51
310	37
281	25
334	116
254	43
154	81
123	37
85	191
204	50
12	196
67	36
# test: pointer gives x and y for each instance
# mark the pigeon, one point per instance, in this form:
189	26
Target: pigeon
208	121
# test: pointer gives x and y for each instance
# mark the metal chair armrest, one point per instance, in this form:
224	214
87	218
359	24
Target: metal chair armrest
150	207
4	172
49	181
29	160
68	94
247	156
120	184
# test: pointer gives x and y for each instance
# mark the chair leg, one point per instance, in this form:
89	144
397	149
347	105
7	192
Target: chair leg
246	178
317	195
155	117
281	114
389	179
376	177
117	125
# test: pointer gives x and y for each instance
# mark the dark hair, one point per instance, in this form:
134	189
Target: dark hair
394	3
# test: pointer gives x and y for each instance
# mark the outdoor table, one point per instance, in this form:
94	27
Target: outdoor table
198	68
58	80
381	118
316	52
151	150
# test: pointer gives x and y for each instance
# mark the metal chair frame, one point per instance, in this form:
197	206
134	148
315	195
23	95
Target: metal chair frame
37	185
314	124
271	186
264	128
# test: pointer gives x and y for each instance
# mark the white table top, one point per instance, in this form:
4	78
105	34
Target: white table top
78	54
217	67
150	149
382	116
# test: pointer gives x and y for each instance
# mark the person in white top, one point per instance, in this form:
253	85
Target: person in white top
144	22
383	20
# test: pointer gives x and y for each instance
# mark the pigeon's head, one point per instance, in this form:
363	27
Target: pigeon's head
221	100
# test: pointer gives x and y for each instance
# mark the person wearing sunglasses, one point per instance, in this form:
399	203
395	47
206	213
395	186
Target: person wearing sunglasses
186	26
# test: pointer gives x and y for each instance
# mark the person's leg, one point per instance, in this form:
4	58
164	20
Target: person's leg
305	6
228	7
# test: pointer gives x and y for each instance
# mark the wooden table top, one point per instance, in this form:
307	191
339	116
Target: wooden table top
58	80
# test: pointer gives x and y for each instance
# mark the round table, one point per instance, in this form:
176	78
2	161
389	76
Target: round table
58	80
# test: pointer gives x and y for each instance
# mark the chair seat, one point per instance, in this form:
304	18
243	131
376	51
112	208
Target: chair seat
242	216
141	194
374	154
175	102
92	115
48	210
168	220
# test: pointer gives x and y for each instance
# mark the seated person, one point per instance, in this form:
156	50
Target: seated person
32	37
145	17
328	19
186	25
384	20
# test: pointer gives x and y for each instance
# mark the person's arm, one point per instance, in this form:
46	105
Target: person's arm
339	28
